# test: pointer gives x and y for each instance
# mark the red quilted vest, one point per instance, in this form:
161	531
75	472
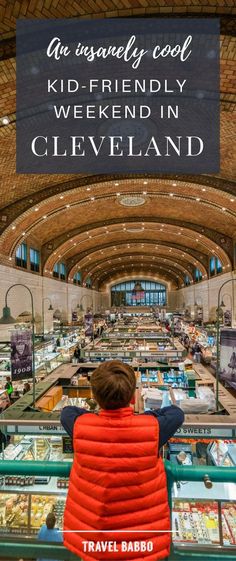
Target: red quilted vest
117	483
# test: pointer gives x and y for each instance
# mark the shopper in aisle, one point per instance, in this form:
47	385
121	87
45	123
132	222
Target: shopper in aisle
197	353
48	532
26	388
118	480
9	387
77	353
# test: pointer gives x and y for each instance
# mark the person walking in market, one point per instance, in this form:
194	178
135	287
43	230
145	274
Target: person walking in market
117	503
9	388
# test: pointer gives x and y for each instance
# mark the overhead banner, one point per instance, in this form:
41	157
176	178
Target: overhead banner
88	324
21	355
74	316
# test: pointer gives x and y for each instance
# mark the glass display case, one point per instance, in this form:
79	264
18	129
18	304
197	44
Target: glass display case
203	513
23	513
37	448
202	522
222	453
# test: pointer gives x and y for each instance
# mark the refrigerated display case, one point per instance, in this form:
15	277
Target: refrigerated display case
196	522
35	447
22	514
221	453
205	521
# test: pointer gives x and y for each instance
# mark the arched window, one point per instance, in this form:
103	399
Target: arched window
59	271
88	282
77	278
186	280
138	293
21	255
198	275
215	266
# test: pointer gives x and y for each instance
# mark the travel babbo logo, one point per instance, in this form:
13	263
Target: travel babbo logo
118	96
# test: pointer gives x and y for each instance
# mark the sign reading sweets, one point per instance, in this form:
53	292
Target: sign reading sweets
120	95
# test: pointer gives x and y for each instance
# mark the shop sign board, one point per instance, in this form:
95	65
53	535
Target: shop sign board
21	355
205	432
36	429
74	316
183	432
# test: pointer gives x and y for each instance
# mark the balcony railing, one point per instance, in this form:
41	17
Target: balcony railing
16	548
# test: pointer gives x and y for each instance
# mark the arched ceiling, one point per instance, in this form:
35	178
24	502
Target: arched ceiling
79	219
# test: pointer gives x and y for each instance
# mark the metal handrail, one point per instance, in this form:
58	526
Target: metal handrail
174	472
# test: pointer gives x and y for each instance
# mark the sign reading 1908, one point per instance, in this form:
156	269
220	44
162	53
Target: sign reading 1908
139	95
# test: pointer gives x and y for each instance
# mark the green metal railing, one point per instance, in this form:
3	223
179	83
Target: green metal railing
28	549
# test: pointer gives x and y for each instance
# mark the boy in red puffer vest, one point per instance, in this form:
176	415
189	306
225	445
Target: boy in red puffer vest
117	503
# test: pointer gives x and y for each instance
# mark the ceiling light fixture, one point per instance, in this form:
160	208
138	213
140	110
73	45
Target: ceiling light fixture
132	200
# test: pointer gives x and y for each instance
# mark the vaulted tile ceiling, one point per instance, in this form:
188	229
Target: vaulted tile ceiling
82	219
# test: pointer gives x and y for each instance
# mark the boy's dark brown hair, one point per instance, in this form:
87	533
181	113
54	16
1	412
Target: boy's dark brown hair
113	384
50	521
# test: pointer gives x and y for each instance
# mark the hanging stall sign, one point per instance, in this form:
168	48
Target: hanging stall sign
88	324
74	316
21	355
228	356
228	318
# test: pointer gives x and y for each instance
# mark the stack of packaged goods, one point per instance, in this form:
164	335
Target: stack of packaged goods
152	398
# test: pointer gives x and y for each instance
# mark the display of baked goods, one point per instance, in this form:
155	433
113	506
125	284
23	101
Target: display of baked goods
13	511
229	523
196	522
